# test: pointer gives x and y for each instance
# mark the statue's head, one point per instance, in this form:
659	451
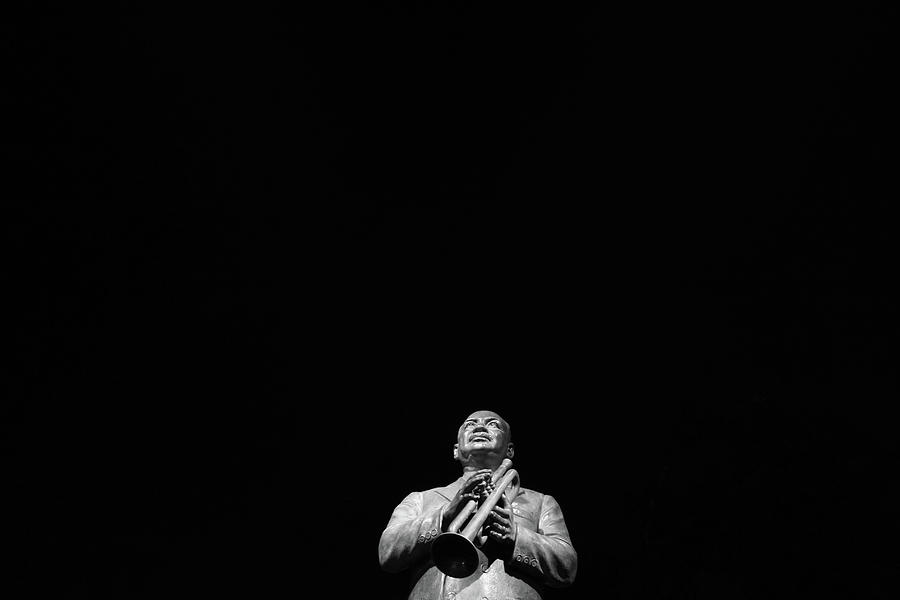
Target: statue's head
484	438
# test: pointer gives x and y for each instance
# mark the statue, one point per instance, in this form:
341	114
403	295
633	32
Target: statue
516	541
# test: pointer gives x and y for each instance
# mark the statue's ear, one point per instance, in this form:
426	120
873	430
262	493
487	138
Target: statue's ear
455	451
510	451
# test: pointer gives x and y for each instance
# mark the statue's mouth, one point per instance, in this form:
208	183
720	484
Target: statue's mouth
479	438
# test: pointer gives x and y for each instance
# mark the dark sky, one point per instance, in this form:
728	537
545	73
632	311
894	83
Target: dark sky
263	260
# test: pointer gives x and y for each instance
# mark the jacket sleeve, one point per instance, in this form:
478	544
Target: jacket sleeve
406	540
548	553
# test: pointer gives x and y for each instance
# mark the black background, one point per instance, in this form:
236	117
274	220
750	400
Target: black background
264	259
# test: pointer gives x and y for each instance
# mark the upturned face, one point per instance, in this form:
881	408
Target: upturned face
483	432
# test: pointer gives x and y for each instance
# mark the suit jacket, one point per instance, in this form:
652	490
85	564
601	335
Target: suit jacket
543	553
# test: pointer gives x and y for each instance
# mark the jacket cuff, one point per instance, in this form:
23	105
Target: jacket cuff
522	552
430	527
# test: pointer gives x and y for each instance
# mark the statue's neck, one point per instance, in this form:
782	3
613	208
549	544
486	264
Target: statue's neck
477	465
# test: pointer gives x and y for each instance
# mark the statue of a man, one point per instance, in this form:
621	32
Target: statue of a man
526	547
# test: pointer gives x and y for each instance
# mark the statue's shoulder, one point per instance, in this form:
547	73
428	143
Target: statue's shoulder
529	496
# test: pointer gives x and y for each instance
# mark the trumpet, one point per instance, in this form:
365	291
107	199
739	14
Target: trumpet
454	552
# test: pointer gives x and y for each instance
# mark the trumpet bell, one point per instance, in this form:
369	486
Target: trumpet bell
455	555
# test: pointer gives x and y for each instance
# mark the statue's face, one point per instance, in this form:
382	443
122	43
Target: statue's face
483	432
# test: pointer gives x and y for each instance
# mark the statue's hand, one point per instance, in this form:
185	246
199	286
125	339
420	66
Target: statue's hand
500	525
476	487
